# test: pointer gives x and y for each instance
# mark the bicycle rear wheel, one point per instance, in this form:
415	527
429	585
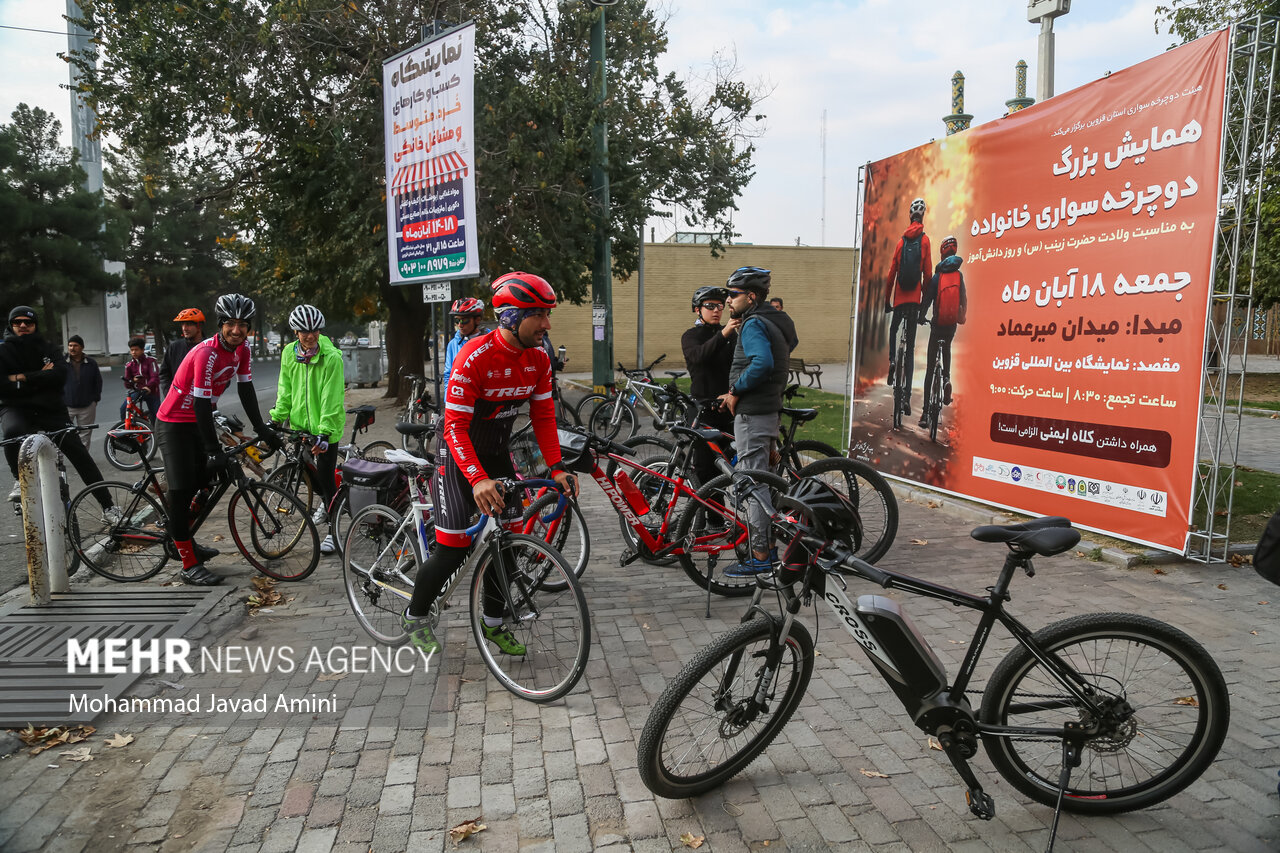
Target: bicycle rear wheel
807	451
567	534
587	405
131	549
379	566
274	531
870	494
377	450
545	611
707	726
1164	713
660	495
935	397
715	541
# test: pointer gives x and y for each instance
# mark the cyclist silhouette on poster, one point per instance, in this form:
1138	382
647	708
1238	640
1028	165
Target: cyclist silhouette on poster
945	293
911	267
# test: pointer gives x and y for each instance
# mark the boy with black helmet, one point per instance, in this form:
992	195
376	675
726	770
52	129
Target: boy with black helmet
911	267
708	353
757	378
185	430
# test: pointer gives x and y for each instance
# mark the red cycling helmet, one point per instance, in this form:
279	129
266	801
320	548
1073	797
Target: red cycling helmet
189	315
468	306
522	290
949	246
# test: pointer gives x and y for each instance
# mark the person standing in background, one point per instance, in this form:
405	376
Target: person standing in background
708	353
191	322
83	389
142	374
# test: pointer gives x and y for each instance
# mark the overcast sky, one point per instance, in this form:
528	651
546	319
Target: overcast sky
880	68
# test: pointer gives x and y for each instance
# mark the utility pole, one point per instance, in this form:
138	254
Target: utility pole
602	272
1043	12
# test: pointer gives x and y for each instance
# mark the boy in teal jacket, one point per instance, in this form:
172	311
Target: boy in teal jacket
311	398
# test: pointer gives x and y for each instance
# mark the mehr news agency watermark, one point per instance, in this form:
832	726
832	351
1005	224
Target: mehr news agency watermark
175	657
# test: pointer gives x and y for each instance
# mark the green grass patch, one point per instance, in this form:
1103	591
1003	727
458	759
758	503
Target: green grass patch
1257	494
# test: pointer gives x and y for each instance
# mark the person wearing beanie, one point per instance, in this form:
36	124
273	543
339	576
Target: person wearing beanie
84	387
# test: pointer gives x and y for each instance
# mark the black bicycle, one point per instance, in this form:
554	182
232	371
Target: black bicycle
1097	714
901	385
270	526
934	390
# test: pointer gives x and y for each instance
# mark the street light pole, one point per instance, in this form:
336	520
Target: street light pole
602	270
1043	12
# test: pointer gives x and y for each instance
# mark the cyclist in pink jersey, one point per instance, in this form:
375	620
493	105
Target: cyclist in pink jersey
185	430
493	375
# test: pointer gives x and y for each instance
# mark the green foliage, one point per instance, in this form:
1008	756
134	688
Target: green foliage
284	102
173	223
1191	19
52	245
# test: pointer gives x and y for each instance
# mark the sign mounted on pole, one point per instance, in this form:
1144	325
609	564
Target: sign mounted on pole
428	124
1059	372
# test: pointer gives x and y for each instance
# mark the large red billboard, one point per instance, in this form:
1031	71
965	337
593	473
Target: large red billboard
1084	235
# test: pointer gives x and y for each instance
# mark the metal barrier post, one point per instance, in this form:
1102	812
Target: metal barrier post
44	518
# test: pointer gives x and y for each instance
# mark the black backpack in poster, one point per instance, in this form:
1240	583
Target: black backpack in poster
909	263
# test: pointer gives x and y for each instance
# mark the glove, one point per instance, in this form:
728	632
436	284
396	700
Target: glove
271	439
320	444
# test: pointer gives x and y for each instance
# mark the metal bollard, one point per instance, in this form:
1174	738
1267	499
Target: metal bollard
44	519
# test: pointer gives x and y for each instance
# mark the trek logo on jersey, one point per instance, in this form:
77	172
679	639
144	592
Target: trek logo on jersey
514	391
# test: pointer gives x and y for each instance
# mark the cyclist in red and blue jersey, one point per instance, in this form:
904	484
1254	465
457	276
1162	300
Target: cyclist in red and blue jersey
185	430
493	375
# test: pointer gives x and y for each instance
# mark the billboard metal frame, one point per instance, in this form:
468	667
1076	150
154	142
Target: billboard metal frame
1251	89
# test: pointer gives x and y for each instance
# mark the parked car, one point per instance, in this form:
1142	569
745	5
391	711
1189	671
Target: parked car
364	342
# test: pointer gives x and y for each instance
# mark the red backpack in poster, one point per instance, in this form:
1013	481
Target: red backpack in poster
947	309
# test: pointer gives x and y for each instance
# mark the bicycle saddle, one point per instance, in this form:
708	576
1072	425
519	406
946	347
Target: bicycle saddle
361	410
1044	536
802	415
674	374
404	457
407	428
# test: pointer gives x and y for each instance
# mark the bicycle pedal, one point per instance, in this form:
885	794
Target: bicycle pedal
981	804
628	557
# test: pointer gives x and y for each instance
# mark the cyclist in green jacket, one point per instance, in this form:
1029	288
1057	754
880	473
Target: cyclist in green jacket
311	398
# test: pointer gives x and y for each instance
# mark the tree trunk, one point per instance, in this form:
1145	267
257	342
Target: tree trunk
406	322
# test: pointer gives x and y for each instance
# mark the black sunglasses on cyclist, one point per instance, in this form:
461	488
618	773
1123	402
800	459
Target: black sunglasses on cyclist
734	294
713	306
23	321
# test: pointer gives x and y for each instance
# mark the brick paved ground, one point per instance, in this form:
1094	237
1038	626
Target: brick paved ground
404	758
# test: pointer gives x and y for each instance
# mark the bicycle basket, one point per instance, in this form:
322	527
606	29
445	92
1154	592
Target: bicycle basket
369	482
574	453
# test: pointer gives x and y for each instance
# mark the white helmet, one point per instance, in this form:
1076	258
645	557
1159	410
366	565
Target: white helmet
917	207
306	318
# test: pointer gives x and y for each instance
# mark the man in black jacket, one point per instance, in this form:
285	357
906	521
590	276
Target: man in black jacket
191	321
84	386
708	353
32	376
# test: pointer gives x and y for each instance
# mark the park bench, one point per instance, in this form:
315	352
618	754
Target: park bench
799	368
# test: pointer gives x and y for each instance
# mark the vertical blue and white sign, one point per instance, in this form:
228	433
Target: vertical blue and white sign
428	123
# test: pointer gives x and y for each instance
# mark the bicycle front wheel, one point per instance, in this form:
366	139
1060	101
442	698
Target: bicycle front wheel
709	724
567	534
587	405
130	549
295	478
870	494
130	460
274	531
613	419
1163	712
541	604
379	567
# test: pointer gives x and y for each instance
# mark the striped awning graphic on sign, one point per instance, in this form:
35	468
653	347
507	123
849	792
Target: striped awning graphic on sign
428	174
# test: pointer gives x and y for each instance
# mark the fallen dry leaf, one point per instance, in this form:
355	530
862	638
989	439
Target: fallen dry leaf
1222	586
1254	633
933	744
331	676
1236	560
1187	700
934	504
919	541
48	738
873	774
79	754
466	829
1158	571
118	740
688	839
266	596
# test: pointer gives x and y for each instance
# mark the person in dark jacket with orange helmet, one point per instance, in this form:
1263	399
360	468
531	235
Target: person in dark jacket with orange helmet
192	322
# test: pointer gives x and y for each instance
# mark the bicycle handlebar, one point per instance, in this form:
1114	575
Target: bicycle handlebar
508	485
48	433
